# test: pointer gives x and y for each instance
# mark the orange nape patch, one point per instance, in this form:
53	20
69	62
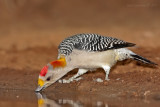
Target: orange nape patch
59	63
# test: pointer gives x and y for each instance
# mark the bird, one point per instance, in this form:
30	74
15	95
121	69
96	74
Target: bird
86	51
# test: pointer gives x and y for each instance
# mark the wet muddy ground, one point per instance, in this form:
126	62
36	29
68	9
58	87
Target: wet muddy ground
131	83
29	38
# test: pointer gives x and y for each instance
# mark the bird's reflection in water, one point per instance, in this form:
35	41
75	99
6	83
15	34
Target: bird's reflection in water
43	101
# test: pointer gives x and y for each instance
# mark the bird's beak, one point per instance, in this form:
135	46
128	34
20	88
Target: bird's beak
39	88
41	85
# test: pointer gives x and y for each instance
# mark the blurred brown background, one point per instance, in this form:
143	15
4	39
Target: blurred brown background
30	23
28	26
31	30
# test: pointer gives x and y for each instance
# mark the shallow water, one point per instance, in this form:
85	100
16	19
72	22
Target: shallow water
25	98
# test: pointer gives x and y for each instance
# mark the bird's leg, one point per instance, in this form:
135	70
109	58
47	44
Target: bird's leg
79	73
106	69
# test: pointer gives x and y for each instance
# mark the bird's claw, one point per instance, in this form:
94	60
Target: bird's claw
107	79
69	80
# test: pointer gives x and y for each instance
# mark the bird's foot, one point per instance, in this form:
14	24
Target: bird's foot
69	80
107	79
77	79
64	81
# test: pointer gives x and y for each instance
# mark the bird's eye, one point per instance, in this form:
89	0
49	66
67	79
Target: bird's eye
48	78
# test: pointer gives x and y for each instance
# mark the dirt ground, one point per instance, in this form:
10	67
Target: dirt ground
29	40
127	78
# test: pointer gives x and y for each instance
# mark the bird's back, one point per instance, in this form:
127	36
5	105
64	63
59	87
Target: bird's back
90	43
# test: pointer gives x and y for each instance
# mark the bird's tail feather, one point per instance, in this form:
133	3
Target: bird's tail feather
141	59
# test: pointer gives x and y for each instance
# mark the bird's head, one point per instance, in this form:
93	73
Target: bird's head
51	73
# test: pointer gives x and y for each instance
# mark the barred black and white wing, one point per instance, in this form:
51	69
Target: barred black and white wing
91	42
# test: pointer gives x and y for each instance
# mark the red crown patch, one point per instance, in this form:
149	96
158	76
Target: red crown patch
44	71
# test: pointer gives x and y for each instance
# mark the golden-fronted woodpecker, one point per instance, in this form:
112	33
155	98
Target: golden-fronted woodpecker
86	52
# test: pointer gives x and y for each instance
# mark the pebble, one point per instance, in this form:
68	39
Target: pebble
118	79
99	80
